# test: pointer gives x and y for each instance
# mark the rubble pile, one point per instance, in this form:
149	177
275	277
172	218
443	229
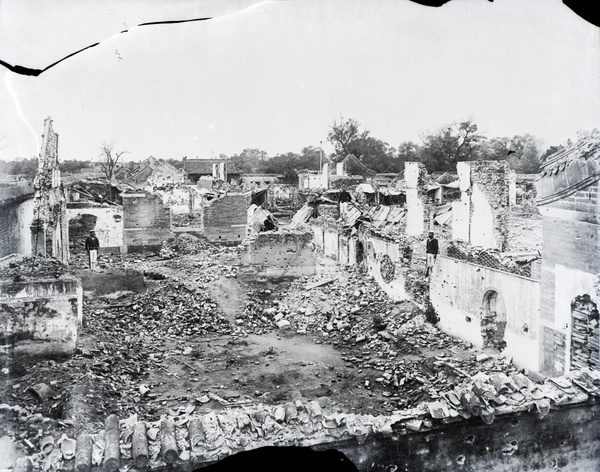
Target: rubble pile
172	308
391	345
184	244
489	395
33	267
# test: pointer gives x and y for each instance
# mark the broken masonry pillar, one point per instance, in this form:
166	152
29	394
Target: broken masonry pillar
139	446
112	455
83	456
168	443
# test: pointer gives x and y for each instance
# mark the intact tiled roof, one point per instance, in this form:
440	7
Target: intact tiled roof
15	193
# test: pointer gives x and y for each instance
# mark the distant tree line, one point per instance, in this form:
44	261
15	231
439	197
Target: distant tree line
439	151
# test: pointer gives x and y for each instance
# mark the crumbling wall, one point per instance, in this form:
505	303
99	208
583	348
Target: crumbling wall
50	227
566	439
481	216
384	264
280	255
146	221
570	268
15	220
415	176
107	222
457	292
41	317
225	218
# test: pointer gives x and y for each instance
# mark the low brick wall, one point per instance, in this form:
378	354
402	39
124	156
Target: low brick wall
40	318
225	219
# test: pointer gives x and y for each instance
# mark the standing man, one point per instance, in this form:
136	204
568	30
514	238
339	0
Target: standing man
91	246
432	252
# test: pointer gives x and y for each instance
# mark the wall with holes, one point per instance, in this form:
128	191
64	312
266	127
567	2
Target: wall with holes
457	290
384	262
564	439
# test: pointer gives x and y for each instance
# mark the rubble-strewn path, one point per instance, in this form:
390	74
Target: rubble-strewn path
202	338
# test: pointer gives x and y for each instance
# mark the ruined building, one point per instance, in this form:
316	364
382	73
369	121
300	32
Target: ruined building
569	203
480	217
50	229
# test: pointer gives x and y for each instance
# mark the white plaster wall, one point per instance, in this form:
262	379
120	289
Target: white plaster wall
460	218
463	169
317	181
457	290
319	236
25	218
352	250
108	229
394	289
568	284
512	188
411	174
330	244
482	220
343	250
177	199
414	215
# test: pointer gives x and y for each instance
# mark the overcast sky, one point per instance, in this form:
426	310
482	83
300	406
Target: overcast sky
274	75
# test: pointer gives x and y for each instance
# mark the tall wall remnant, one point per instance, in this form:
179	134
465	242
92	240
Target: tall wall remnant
50	227
146	221
570	206
480	217
415	176
16	215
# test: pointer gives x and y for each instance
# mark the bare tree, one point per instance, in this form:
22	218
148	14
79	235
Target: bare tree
110	159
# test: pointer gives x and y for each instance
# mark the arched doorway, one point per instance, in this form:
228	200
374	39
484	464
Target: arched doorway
79	229
585	334
493	320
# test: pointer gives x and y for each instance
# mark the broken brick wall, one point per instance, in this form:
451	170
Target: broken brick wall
146	221
480	218
15	220
280	255
458	291
50	227
225	219
41	317
107	222
570	268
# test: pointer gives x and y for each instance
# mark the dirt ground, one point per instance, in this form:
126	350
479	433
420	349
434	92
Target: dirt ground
198	335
